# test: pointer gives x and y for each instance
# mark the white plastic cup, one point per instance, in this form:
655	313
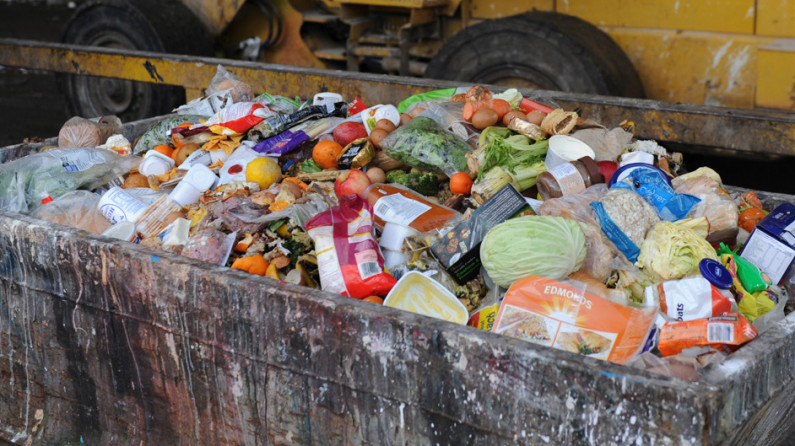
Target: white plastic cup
565	148
393	235
117	205
155	163
197	181
327	99
123	230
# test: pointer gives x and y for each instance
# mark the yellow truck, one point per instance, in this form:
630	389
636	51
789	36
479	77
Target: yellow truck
733	53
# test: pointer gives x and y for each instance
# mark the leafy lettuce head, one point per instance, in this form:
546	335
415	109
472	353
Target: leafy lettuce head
671	251
534	245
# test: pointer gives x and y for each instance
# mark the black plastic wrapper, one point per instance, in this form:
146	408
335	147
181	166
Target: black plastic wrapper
356	155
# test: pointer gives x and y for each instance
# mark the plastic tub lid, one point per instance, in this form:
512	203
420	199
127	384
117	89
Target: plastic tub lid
200	177
624	171
565	148
715	273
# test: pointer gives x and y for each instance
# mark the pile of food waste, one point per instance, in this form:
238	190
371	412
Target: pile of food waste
465	204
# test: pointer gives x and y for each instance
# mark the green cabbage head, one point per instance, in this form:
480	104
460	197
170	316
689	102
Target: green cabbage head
534	245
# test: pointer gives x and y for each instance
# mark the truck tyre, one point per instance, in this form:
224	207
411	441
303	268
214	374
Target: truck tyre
542	50
118	24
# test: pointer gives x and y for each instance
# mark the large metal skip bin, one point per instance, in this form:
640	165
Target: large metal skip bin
105	342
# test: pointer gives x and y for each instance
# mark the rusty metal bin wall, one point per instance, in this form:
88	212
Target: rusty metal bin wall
105	342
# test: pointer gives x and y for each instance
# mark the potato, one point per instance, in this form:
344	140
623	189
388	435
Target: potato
294	188
378	135
184	152
385	124
484	117
536	116
376	175
135	180
513	114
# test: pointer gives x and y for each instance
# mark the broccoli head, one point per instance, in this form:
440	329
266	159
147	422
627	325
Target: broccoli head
425	183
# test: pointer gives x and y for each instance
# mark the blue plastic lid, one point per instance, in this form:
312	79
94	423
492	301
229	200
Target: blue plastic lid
715	273
625	170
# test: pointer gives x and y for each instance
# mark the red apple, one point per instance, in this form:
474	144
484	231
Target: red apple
352	181
607	169
349	131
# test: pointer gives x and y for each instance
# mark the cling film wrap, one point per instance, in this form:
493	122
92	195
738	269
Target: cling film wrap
563	316
349	259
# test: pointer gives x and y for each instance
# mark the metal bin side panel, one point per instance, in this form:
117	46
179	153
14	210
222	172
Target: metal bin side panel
109	342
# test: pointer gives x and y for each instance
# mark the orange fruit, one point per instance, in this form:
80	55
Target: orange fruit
460	183
325	154
164	149
374	299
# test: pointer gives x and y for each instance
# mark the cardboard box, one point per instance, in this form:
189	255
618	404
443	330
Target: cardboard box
459	249
771	246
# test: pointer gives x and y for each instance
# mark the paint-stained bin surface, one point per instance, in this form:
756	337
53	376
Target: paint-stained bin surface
106	342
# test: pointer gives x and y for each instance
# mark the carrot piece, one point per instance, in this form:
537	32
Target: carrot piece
501	106
471	107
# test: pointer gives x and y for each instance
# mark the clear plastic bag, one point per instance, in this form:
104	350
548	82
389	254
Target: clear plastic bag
602	254
210	245
719	208
422	143
27	181
226	81
77	209
450	116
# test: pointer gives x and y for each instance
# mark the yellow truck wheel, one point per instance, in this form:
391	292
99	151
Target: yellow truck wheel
538	50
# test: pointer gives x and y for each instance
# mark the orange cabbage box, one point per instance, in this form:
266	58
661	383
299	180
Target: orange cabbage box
562	316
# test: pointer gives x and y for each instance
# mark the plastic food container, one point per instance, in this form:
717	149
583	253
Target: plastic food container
155	163
117	205
198	180
571	177
624	171
420	294
565	148
124	230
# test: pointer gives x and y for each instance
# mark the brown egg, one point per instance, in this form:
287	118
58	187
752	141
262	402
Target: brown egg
536	116
404	118
135	180
484	117
385	124
513	114
378	135
416	111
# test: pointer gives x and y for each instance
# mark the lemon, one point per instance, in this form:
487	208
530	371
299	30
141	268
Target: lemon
264	171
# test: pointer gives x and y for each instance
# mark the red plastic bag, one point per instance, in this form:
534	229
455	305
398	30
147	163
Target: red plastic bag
349	259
